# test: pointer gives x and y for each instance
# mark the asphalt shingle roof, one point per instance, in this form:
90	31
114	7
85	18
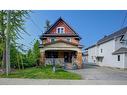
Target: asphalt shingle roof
113	35
53	25
120	51
110	37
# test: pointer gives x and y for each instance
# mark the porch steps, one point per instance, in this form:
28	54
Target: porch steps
69	66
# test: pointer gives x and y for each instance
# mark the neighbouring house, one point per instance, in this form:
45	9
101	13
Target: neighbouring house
61	43
109	51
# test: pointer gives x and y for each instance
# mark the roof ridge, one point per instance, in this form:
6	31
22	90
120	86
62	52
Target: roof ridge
60	18
112	35
109	37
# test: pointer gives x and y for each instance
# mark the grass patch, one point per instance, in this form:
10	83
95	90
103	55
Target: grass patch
42	73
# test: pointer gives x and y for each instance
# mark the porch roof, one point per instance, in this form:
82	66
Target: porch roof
71	43
99	56
61	45
120	51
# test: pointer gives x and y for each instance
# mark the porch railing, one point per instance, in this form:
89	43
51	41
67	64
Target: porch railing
58	61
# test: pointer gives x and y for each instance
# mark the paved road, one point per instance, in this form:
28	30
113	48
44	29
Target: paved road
93	72
7	81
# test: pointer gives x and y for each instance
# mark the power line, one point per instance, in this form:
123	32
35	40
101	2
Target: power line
35	24
124	20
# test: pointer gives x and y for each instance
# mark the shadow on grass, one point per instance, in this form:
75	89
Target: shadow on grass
45	72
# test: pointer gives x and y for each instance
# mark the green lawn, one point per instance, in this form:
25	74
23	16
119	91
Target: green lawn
42	73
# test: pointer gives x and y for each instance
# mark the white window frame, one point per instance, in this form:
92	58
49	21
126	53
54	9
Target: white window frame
60	30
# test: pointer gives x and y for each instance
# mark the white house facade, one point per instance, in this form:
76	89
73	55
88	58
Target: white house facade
110	51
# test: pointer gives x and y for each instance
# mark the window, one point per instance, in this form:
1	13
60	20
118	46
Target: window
52	40
118	57
100	59
51	54
101	50
68	39
44	41
60	30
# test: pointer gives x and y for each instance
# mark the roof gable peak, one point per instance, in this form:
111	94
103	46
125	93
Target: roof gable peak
60	19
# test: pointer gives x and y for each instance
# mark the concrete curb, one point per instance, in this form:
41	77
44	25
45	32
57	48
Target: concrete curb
15	81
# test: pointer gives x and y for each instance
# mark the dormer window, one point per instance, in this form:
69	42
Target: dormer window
60	30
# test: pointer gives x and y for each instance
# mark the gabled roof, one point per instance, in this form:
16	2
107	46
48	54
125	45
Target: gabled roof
90	47
120	51
113	35
53	25
110	37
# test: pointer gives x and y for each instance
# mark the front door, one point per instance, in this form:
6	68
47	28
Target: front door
67	57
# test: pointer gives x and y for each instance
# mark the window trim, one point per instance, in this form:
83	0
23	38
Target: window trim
60	30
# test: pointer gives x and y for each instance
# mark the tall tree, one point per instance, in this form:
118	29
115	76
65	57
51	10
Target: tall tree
2	32
15	26
36	52
30	57
47	25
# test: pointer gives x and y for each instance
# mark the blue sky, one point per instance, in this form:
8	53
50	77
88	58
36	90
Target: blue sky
90	25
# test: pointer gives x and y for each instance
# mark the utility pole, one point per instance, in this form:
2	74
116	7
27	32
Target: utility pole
7	31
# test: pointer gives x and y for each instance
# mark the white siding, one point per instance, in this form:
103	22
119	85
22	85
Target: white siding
119	64
107	49
92	55
118	44
125	61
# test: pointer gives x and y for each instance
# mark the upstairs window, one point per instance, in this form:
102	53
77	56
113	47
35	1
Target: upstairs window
118	57
60	30
101	50
52	40
68	39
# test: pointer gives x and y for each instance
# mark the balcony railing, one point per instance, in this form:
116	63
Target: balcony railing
60	61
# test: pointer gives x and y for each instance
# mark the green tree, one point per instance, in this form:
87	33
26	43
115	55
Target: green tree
33	55
36	52
47	25
15	27
30	57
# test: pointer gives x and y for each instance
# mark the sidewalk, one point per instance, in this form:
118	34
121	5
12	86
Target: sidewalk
9	81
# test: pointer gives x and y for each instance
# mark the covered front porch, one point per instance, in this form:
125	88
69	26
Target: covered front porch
68	58
66	55
62	53
65	58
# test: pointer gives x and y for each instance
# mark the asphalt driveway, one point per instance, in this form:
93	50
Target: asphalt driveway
94	72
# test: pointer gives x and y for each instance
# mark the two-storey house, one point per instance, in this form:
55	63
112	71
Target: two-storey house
110	51
61	42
